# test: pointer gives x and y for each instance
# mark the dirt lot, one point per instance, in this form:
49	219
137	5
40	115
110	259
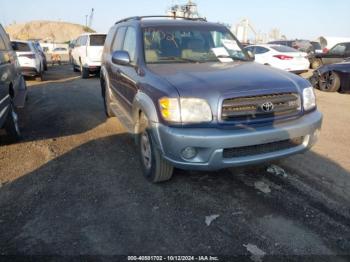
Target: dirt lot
73	186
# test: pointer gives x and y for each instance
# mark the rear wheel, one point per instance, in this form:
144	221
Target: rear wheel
40	76
11	125
155	168
329	82
84	72
106	98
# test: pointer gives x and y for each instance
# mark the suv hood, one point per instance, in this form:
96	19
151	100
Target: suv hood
217	79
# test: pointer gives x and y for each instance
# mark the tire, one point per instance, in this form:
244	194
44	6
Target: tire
316	63
11	125
84	72
106	98
329	82
154	167
45	66
40	77
74	68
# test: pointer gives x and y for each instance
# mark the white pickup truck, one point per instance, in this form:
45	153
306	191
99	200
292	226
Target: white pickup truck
87	52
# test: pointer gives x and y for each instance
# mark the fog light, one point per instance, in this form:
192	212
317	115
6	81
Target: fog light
189	153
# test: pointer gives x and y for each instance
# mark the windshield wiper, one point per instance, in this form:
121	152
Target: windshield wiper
176	58
232	57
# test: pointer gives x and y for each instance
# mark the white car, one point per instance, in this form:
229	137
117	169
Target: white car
29	58
280	56
87	53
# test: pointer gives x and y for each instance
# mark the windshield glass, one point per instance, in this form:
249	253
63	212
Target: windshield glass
188	45
284	49
97	40
20	47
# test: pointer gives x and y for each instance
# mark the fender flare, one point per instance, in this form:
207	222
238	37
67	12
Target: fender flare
142	102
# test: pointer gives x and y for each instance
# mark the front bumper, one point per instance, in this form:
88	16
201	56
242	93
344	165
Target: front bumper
29	71
210	143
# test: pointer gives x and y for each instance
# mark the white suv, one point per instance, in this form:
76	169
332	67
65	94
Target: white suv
29	58
87	52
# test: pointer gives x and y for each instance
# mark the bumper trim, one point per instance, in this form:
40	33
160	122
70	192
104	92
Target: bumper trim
210	143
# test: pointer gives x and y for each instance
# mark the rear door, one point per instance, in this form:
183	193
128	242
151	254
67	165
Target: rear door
114	69
95	47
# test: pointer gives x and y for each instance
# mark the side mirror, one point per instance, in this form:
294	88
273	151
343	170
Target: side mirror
121	58
251	55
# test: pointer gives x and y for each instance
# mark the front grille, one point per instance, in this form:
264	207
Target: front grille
262	149
252	107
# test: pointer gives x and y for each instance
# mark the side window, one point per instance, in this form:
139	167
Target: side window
118	39
251	49
261	50
77	43
130	43
339	49
83	40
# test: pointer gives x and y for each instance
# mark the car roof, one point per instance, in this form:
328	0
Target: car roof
88	34
175	22
22	41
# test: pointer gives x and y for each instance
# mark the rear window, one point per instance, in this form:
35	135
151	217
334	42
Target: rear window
20	47
284	49
316	45
97	40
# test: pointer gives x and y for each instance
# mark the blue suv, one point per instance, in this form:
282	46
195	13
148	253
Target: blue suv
195	99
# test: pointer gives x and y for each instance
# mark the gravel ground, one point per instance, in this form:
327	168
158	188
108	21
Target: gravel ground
73	186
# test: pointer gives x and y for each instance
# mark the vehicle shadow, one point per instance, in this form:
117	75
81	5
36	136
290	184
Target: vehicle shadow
62	105
93	200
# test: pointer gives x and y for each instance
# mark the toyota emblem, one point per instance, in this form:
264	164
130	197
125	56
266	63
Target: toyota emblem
267	107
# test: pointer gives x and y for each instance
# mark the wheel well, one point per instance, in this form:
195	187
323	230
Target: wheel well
11	91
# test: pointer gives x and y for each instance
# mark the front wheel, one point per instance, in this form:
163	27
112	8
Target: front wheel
155	168
84	72
106	98
329	82
11	125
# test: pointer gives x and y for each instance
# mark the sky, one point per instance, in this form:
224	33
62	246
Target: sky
307	19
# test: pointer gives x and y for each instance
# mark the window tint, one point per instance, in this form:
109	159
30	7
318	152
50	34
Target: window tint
284	49
97	40
21	47
119	39
130	43
261	50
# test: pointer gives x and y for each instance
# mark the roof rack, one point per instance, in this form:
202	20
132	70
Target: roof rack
161	16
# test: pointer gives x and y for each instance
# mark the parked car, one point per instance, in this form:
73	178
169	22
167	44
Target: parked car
42	53
336	54
195	99
86	54
333	77
280	56
301	45
29	59
13	90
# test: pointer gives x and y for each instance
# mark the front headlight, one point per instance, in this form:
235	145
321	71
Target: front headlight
187	110
309	98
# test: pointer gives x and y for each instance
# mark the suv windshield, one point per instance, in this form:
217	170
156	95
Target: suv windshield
190	44
97	40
